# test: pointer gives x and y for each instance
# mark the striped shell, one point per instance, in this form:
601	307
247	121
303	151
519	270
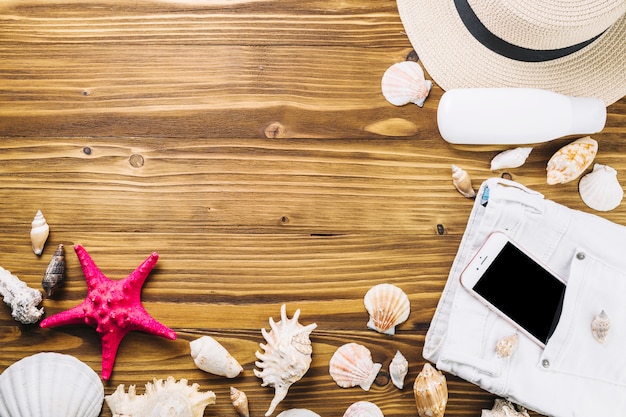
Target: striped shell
387	306
363	409
600	189
404	83
569	162
351	365
239	399
54	276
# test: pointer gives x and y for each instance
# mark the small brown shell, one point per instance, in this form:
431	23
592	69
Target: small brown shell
462	182
54	277
239	400
431	392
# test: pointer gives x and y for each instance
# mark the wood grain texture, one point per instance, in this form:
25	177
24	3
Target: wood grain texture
248	143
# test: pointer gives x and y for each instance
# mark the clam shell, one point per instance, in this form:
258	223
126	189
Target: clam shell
387	306
504	408
462	182
54	276
363	409
50	384
600	327
571	160
210	356
351	365
511	158
404	83
398	368
431	392
239	399
600	189
39	232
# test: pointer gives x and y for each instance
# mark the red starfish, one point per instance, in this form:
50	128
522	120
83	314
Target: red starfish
113	307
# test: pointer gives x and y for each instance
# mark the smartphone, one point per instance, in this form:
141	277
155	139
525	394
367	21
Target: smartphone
513	284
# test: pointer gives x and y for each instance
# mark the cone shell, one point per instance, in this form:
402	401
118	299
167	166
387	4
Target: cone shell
506	346
363	409
54	276
600	327
404	83
511	158
600	189
398	368
569	162
431	392
387	306
50	385
239	399
462	182
39	232
351	365
210	356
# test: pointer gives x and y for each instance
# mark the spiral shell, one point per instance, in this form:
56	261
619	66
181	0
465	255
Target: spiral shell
462	182
398	368
600	327
39	232
210	356
504	408
600	189
239	399
387	306
54	276
404	83
571	160
352	365
506	346
511	158
363	409
22	299
431	392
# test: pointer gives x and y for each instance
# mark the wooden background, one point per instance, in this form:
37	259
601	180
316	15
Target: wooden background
249	144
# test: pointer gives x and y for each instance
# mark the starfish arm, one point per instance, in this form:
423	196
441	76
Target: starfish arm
110	343
93	275
134	282
75	315
142	321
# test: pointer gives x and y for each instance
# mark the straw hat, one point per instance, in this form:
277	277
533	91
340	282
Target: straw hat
574	47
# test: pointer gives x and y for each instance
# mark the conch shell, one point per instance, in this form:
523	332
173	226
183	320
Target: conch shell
404	83
286	357
504	408
600	189
600	327
239	399
363	409
210	356
462	182
431	392
398	368
571	160
511	158
387	306
39	232
352	365
54	276
22	299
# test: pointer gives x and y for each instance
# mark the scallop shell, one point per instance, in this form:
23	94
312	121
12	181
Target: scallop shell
600	327
352	365
431	392
239	399
506	346
22	299
404	83
387	306
169	398
286	357
363	409
600	189
210	356
298	412
398	368
50	384
462	182
504	408
571	160
511	158
54	276
39	232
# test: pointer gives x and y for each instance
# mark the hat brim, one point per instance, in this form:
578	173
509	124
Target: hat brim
455	59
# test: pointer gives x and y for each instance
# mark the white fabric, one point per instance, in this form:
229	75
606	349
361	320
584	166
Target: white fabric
575	375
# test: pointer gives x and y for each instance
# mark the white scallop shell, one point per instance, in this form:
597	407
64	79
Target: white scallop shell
22	299
571	160
387	306
363	409
286	357
50	384
504	408
239	399
511	158
398	368
462	182
39	232
298	412
351	365
600	327
600	189
169	398
210	356
404	83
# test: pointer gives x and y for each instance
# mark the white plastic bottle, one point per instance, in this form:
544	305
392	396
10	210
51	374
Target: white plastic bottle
496	116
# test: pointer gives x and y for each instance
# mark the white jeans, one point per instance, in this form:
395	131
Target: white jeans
574	375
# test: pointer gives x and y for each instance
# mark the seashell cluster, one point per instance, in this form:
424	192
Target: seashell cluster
600	327
511	158
286	357
39	232
387	306
506	346
569	162
404	83
600	189
169	398
462	182
504	408
363	409
50	384
431	392
210	356
54	276
398	368
351	365
239	399
22	299
298	412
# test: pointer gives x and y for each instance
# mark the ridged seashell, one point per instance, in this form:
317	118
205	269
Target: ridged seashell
169	398
504	408
363	409
398	368
462	182
352	365
404	83
286	357
239	399
511	158
387	306
39	232
507	345
210	356
298	412
600	327
431	392
54	276
600	189
571	160
50	384
22	299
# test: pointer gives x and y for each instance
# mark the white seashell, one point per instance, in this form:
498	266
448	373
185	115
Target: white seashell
169	398
298	412
50	384
39	232
387	306
571	160
363	409
506	346
352	365
511	158
600	327
239	399
286	357
210	356
431	392
398	368
600	189
504	408
404	83
462	182
22	299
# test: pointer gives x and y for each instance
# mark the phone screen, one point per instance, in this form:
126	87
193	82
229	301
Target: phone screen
524	291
